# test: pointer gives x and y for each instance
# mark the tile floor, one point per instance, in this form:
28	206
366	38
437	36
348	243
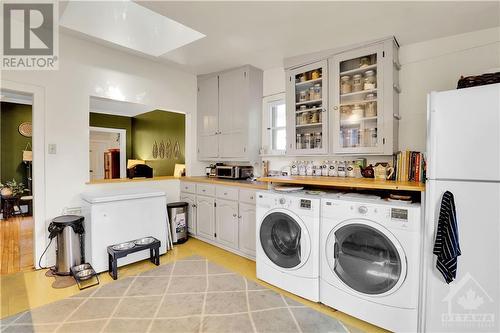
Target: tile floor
24	291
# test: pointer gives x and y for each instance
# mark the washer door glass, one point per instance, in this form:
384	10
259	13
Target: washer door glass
365	259
280	237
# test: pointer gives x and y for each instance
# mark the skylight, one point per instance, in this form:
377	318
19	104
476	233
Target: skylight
127	24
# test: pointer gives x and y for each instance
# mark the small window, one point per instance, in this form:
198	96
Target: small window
274	125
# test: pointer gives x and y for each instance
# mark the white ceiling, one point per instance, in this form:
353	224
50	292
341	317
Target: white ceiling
263	33
118	108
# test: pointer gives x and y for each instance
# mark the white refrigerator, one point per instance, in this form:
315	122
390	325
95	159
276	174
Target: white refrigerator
463	147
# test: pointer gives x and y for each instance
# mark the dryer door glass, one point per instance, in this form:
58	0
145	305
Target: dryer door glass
280	238
366	260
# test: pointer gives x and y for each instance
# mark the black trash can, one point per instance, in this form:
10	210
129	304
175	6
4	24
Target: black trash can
178	217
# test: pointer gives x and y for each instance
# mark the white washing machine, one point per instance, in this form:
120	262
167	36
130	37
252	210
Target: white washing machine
370	260
287	253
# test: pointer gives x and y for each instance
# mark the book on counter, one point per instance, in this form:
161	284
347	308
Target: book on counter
409	166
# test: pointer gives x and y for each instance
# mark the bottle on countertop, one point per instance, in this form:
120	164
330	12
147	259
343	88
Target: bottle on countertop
295	168
302	168
309	168
341	169
324	168
350	169
332	169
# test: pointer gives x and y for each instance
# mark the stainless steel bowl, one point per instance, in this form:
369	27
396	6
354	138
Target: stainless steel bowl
123	246
81	267
85	274
144	241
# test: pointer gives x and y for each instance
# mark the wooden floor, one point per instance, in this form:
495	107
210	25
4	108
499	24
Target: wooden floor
16	245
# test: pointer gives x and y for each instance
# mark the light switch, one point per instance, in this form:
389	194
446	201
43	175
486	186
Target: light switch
52	148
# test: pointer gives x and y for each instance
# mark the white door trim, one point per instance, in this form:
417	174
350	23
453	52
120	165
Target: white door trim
40	223
123	146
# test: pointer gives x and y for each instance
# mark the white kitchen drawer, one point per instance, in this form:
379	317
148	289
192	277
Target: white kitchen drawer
188	187
205	189
226	192
247	196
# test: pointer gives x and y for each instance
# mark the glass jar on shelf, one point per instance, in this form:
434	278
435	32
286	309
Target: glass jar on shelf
370	81
302	77
357	112
317	91
303	96
364	62
345	112
305	118
306	143
311	94
298	142
315	117
357	82
371	134
345	84
317	140
298	119
371	109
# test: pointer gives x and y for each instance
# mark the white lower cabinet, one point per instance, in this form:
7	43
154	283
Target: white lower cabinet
205	216
226	221
191	201
246	230
223	216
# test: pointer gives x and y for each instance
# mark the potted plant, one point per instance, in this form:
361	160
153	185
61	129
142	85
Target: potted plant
12	188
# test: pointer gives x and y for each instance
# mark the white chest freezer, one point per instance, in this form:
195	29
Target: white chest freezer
116	216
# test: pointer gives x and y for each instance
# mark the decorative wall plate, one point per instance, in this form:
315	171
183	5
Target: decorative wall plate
26	129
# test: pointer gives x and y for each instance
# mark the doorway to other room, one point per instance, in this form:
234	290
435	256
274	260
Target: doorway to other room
16	183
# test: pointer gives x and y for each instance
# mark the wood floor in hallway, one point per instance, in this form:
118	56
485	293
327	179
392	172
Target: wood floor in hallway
16	245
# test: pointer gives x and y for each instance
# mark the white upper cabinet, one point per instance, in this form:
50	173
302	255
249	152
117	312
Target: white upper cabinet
363	94
233	99
307	103
208	117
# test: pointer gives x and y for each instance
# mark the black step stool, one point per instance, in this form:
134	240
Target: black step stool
114	255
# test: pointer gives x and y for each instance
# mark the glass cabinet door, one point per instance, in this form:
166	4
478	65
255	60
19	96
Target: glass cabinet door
308	92
357	95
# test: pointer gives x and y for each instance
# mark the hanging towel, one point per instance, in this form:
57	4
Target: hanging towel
447	247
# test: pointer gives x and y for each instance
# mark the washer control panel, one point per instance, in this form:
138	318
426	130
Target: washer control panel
305	203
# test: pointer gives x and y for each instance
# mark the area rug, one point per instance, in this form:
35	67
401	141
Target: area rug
190	295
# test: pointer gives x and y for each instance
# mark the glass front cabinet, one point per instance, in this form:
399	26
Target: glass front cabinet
307	105
357	114
364	100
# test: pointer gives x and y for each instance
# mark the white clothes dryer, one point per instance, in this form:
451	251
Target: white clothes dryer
370	260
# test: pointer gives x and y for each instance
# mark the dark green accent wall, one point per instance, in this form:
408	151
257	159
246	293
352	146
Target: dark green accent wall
12	143
112	121
158	125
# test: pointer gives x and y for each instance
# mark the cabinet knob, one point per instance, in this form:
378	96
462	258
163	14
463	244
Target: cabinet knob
234	215
194	206
335	107
225	193
323	110
239	216
251	197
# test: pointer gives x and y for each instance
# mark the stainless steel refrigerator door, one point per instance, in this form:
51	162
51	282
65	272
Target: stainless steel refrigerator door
471	303
464	134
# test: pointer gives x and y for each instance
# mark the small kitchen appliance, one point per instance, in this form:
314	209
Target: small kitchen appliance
234	171
69	251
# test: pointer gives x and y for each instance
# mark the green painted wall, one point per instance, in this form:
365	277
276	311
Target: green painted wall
112	121
158	125
12	143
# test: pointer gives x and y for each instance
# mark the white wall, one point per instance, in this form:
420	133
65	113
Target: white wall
89	69
433	65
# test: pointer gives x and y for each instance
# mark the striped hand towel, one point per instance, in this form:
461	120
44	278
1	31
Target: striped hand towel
447	247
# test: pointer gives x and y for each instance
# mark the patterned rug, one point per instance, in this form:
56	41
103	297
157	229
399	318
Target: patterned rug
190	295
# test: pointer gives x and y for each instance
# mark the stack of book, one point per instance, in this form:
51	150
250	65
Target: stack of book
409	166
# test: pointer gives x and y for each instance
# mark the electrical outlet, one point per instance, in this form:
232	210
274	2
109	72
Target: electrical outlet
72	211
52	148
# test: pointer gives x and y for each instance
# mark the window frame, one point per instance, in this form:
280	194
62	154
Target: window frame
268	130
